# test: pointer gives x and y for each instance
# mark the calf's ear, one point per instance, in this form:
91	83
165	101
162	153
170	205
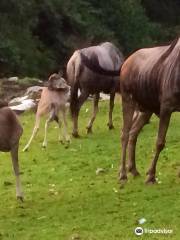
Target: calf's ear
49	85
53	85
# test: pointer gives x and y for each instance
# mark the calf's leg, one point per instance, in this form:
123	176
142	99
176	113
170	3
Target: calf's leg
65	132
95	110
14	156
36	127
50	119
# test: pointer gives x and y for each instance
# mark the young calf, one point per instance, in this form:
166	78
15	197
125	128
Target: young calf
53	102
10	133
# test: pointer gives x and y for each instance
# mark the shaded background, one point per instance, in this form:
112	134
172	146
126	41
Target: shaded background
37	37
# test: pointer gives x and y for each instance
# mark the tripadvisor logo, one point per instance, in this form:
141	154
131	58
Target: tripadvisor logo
138	231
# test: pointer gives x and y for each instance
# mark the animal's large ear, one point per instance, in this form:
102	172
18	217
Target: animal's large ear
63	83
49	85
52	81
60	73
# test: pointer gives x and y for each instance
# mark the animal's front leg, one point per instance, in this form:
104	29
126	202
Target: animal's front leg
128	111
14	155
51	117
66	136
44	144
60	138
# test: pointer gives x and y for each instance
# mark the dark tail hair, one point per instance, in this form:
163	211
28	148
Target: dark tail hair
74	98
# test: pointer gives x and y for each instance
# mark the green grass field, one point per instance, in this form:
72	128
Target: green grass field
66	200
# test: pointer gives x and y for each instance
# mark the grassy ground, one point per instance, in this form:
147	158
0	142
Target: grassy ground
65	199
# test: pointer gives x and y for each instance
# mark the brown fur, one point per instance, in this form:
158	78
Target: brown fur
10	132
150	83
93	70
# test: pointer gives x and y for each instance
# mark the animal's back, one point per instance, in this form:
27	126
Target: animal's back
138	77
73	67
49	98
107	55
10	129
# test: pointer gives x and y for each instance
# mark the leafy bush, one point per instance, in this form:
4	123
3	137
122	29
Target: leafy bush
38	36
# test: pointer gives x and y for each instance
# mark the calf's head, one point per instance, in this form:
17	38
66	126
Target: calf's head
56	82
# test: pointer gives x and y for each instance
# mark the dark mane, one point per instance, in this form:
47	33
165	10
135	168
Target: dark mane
93	65
157	70
168	52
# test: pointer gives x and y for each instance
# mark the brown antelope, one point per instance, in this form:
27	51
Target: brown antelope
93	70
150	83
10	133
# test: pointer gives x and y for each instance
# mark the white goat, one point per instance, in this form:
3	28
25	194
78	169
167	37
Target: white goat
54	100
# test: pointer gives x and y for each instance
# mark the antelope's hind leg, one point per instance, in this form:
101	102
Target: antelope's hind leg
66	136
95	110
128	107
35	130
82	98
50	119
138	124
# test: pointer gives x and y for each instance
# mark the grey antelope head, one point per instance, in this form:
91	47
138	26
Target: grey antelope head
56	82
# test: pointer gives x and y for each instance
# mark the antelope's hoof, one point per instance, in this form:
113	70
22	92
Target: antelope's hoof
75	135
89	130
20	198
25	149
134	172
110	126
151	180
44	145
123	178
61	141
148	173
67	143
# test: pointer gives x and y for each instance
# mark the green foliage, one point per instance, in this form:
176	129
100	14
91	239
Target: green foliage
38	36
